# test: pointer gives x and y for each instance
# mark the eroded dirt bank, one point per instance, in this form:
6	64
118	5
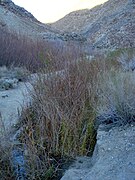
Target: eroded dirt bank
113	158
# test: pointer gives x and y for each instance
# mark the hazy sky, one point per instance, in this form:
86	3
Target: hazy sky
52	10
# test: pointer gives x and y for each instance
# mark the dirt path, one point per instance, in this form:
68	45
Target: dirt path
11	102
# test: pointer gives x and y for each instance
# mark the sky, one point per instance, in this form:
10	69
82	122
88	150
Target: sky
48	11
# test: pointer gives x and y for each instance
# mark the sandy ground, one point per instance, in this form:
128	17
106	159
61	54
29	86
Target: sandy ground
11	102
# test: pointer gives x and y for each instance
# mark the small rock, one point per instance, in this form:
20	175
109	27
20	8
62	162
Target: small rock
6	83
4	96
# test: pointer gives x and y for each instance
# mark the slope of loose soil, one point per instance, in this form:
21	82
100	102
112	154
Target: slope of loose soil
114	157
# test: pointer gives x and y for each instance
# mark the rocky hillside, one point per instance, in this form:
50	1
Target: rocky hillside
17	20
110	25
8	4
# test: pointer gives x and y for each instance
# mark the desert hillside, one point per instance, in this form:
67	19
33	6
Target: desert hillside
17	20
110	25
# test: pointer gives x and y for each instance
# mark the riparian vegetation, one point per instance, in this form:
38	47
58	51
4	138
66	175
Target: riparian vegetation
71	96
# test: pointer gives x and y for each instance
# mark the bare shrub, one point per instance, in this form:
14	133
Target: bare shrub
37	54
115	90
116	98
19	50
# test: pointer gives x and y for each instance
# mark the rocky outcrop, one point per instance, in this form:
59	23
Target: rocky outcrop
64	36
72	37
110	25
113	158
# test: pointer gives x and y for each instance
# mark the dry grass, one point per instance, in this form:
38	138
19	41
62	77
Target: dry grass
60	122
116	98
19	51
116	90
